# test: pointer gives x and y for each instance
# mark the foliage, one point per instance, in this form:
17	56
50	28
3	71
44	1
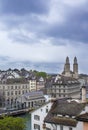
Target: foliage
12	123
41	74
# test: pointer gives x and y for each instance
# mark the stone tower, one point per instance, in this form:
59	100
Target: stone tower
75	68
67	67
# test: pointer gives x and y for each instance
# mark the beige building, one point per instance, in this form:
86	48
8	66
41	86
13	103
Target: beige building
64	87
32	84
14	88
40	83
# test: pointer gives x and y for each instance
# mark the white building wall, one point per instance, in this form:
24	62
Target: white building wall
40	112
79	126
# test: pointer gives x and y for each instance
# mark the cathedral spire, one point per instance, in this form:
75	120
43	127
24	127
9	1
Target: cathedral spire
75	67
75	60
67	65
67	60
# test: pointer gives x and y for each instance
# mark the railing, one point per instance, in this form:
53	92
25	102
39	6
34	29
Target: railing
14	112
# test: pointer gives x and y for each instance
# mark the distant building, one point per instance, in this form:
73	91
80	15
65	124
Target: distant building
62	86
40	83
32	84
66	84
11	90
31	99
67	72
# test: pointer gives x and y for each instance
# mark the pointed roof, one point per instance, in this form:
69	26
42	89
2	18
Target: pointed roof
67	60
75	60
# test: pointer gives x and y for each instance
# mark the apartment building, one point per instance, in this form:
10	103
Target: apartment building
11	89
62	86
32	83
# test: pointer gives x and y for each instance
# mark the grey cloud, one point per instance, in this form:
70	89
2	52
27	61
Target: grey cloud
22	7
75	28
22	39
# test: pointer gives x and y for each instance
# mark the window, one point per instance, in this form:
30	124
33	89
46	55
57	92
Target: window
8	94
70	128
63	90
11	87
36	126
46	110
36	117
15	87
23	92
11	92
61	127
15	92
3	87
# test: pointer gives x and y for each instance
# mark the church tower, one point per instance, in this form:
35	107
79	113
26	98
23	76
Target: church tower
75	68
67	67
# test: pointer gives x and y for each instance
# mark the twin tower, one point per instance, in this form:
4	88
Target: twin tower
67	72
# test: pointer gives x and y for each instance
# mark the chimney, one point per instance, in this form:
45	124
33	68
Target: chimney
44	126
83	94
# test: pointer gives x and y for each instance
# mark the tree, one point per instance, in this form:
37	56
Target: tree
41	74
12	123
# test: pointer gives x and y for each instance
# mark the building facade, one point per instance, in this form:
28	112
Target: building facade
32	84
31	100
61	86
12	89
38	115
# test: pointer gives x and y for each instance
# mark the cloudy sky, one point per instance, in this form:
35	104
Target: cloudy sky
39	34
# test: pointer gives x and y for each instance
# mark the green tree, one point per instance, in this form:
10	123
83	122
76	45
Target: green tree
41	74
12	123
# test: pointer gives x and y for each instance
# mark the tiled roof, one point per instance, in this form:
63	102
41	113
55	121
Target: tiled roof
83	117
62	111
34	93
63	80
68	108
17	80
61	121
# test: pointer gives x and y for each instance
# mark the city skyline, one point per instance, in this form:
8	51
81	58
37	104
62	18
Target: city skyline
40	35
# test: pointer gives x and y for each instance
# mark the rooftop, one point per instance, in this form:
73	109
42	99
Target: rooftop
63	112
83	117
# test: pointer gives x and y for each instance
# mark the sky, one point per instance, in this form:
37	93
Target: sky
40	34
